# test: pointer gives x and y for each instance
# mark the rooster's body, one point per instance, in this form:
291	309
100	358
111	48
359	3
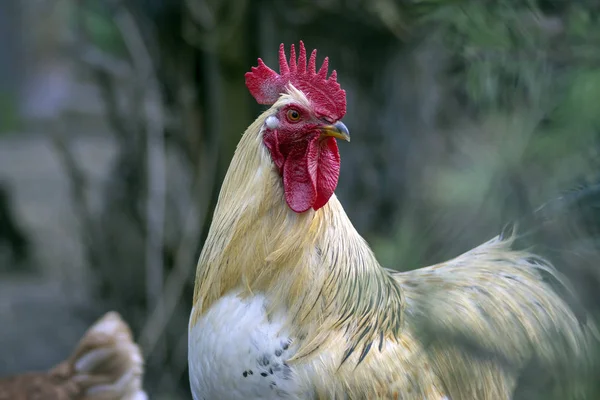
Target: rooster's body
290	301
106	365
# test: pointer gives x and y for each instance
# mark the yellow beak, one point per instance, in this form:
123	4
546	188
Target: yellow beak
337	130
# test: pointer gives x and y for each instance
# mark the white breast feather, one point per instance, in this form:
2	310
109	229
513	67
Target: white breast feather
236	352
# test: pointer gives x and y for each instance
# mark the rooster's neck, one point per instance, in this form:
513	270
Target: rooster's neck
313	264
249	220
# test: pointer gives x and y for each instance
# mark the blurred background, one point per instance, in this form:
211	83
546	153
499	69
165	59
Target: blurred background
118	119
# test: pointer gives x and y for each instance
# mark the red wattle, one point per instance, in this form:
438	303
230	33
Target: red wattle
300	175
310	173
328	172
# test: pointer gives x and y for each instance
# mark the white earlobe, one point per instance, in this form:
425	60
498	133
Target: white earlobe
272	122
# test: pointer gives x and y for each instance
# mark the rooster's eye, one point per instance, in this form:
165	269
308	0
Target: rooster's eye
293	115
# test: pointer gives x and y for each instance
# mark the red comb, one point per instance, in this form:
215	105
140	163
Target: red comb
326	95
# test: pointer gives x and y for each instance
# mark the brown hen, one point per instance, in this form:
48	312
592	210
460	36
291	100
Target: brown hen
106	365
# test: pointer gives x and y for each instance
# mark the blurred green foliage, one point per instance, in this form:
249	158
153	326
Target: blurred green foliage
527	72
9	117
99	25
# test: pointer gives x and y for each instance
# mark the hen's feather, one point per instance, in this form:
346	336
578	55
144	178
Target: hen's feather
106	365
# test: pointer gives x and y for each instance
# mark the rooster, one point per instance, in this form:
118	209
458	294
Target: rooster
106	365
290	301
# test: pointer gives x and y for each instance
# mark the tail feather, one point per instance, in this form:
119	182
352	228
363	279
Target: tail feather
566	232
496	298
509	305
487	314
107	364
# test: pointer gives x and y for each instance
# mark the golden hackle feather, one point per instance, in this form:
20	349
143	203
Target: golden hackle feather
462	329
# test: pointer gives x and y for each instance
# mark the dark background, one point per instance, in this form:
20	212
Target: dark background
118	119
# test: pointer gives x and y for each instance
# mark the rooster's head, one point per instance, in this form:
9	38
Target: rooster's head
302	129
